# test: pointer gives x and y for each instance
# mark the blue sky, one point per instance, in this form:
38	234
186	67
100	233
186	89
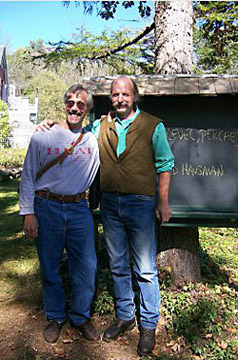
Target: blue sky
22	21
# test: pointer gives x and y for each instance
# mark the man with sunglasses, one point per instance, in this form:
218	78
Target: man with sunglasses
58	169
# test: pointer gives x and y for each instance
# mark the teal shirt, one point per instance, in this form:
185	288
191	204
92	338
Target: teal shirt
163	157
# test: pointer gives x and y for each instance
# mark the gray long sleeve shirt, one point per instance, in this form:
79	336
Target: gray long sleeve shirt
73	176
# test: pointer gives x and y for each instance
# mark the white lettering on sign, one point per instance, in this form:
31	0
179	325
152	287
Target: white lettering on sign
200	170
203	135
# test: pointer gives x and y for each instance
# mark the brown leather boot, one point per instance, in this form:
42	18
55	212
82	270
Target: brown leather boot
147	341
118	328
88	330
52	331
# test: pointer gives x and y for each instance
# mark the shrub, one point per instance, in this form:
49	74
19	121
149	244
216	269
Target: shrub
4	126
10	157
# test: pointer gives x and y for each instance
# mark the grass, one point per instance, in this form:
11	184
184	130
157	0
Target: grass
19	263
198	321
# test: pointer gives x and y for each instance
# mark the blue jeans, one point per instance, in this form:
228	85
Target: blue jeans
66	226
129	227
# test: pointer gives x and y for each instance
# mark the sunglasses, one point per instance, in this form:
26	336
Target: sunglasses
80	104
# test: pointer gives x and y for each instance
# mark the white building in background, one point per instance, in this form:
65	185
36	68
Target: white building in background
22	116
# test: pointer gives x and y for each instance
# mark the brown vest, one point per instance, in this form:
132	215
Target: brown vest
134	171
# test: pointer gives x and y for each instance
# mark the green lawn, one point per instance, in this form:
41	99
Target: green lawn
19	264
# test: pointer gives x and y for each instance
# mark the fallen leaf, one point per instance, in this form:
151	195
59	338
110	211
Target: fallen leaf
59	351
181	341
71	334
176	348
171	343
67	341
222	344
232	330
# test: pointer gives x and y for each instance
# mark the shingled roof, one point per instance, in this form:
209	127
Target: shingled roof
164	85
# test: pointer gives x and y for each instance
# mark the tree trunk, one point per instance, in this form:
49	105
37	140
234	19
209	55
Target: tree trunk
173	37
179	247
179	250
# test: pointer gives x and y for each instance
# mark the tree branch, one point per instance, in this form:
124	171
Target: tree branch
146	31
69	50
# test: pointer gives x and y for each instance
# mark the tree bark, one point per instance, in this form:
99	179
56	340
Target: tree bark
179	247
179	250
173	37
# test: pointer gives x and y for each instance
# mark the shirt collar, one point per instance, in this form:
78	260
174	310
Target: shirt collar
128	121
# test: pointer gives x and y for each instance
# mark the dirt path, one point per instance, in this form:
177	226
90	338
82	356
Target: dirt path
21	339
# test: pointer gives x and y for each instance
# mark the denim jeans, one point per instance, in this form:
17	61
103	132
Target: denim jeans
129	228
66	226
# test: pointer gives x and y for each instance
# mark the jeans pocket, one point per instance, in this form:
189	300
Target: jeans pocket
38	201
145	197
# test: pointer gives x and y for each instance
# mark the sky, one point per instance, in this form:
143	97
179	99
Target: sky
22	21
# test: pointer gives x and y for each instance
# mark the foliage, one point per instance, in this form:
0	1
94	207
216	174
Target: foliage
219	255
5	128
68	62
51	90
200	317
105	301
215	41
12	157
29	77
215	45
20	67
216	36
107	9
107	51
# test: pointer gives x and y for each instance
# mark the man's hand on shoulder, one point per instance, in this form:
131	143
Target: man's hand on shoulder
46	124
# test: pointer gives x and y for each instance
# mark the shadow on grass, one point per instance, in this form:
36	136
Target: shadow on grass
9	185
20	275
6	188
16	248
6	203
212	273
194	322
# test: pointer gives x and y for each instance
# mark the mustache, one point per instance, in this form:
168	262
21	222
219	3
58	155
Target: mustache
74	112
120	103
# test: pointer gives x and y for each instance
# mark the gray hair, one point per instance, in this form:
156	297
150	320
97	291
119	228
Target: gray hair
134	86
77	89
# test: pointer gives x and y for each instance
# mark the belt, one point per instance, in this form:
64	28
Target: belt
61	198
